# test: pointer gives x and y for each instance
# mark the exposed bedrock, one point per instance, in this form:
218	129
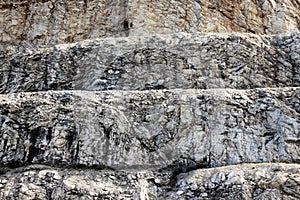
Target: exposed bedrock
181	60
180	129
45	22
242	182
140	99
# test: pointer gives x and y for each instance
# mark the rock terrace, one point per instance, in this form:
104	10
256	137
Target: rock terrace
139	99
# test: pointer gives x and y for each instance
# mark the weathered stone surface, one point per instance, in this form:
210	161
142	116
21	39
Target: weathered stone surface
150	129
154	134
260	17
245	182
43	182
163	61
51	22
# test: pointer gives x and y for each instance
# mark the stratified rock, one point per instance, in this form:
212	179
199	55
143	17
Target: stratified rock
43	182
158	110
180	129
244	182
51	22
164	61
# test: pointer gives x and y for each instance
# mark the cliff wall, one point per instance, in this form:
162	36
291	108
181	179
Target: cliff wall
155	99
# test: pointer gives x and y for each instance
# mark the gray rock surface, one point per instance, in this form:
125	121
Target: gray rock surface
58	21
244	182
139	99
199	61
150	129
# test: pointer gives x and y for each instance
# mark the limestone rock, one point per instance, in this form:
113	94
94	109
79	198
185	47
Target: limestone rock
150	129
222	16
51	22
140	99
157	62
43	182
245	182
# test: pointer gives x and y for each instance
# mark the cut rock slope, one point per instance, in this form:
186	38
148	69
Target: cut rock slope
48	22
149	107
150	129
246	181
199	61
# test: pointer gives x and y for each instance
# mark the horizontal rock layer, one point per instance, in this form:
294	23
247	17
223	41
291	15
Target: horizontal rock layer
180	129
156	62
244	182
51	22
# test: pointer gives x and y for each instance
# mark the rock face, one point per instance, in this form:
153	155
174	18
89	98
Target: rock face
247	181
51	22
199	61
45	22
158	128
178	114
260	17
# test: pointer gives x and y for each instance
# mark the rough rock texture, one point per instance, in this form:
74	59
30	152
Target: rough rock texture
163	61
158	128
250	16
58	21
247	181
178	114
242	182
